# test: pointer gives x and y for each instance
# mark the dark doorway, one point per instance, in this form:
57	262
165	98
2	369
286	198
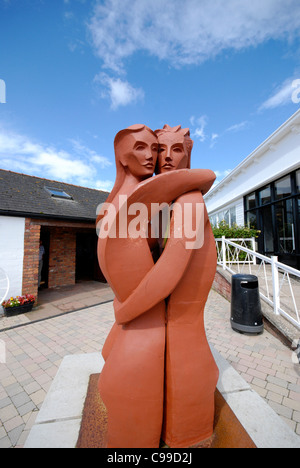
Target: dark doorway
45	238
87	267
267	230
285	225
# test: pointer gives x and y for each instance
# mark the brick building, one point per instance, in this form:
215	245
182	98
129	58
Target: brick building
60	215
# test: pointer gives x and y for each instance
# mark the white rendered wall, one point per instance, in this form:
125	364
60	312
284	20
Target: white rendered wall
12	251
240	217
266	164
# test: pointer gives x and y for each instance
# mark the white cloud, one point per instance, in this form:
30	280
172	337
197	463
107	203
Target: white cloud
213	139
281	96
19	153
187	31
221	175
232	129
238	127
83	150
105	185
120	92
198	127
59	164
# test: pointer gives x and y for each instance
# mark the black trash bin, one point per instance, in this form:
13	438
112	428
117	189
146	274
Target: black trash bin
246	315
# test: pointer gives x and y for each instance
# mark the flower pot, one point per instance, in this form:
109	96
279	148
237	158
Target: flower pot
16	310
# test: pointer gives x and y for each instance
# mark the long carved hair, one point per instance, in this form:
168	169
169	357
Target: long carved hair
120	169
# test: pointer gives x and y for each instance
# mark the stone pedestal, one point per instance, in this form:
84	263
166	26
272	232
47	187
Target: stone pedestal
72	414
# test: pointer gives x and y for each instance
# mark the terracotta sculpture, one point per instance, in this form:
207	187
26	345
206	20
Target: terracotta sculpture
159	377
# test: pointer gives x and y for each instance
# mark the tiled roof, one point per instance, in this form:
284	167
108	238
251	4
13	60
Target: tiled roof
25	195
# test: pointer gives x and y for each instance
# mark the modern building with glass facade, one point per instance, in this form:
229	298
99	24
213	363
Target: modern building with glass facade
264	192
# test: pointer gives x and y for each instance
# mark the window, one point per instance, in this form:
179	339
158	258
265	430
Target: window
213	220
275	211
267	228
285	226
232	216
219	217
283	187
228	216
264	195
58	193
250	201
251	219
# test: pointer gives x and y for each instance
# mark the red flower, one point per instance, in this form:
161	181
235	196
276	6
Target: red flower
19	300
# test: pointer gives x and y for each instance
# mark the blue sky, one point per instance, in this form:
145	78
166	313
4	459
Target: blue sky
78	71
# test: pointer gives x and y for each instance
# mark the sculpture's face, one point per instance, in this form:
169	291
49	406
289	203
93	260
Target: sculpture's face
172	152
139	153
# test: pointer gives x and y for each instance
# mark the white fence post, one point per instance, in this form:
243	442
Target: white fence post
275	278
223	253
253	248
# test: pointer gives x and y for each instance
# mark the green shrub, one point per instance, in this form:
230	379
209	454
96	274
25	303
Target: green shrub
234	232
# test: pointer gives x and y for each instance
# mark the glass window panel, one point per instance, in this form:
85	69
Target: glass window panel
232	216
283	187
213	220
220	217
57	193
264	195
267	229
285	226
250	201
298	181
226	216
252	219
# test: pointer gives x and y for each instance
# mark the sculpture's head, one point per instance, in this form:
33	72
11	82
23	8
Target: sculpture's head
175	147
136	150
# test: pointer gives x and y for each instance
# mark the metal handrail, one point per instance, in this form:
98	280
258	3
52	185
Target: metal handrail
273	294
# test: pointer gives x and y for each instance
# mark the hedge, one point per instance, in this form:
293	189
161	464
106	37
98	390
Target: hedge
234	232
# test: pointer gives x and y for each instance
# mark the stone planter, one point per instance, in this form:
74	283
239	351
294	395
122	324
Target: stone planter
17	310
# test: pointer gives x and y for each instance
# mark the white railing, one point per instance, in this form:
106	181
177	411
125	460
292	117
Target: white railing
279	284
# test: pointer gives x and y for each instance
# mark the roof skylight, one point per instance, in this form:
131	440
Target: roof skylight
58	193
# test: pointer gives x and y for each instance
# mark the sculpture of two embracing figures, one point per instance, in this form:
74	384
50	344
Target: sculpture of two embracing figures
157	252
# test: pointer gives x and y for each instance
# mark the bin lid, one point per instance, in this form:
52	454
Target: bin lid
241	277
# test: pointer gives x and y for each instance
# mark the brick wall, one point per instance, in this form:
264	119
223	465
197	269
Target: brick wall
222	284
62	253
62	257
31	257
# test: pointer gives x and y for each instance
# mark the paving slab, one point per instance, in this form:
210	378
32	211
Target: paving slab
68	391
56	434
58	422
59	301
